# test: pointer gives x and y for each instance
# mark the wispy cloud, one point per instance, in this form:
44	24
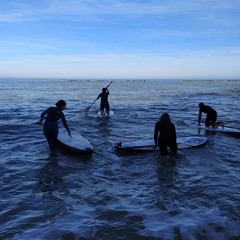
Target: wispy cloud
121	36
72	8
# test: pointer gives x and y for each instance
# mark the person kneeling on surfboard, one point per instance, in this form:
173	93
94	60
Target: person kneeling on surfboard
50	127
104	101
165	135
211	119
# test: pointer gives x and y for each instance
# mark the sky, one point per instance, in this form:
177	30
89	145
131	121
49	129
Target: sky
120	39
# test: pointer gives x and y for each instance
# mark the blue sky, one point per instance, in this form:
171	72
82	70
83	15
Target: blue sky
140	39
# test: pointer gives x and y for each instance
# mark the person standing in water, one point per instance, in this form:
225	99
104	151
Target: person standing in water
211	119
165	135
104	104
50	126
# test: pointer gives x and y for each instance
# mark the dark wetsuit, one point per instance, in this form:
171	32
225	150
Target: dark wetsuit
211	117
104	101
165	136
50	127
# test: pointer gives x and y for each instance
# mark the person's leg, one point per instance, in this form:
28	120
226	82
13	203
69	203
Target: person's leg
107	108
51	139
102	109
163	147
208	121
173	147
213	120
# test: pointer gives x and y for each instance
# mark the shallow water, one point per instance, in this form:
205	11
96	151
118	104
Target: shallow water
111	195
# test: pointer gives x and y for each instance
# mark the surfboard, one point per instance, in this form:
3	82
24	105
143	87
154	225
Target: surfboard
148	145
76	143
217	129
105	115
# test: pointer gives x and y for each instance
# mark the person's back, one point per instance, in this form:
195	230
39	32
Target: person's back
166	129
104	94
207	109
104	97
52	117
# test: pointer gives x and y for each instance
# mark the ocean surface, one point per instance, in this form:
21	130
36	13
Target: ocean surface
112	195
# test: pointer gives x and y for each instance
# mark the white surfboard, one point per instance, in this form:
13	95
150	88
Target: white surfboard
148	145
105	115
76	143
217	129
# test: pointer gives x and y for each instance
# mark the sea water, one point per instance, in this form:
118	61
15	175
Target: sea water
112	195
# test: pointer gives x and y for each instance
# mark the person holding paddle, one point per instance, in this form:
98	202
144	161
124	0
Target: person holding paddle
104	104
50	127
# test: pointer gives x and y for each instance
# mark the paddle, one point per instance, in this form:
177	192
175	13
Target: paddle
88	108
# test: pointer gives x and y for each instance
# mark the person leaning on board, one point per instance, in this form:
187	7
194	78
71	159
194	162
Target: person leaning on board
165	135
50	126
211	118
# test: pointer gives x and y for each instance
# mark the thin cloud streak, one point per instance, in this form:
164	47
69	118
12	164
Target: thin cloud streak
120	37
73	8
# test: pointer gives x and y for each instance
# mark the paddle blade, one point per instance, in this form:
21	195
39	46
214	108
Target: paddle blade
87	109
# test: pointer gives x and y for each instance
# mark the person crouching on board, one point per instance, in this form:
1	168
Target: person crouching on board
211	119
50	127
165	135
104	101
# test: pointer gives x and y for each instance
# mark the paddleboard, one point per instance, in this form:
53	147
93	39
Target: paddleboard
76	143
217	129
105	115
148	145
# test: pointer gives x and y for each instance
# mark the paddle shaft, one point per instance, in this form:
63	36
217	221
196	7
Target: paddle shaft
109	84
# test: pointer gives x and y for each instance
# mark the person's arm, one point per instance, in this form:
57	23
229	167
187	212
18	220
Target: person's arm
65	123
199	116
156	135
174	133
99	96
43	115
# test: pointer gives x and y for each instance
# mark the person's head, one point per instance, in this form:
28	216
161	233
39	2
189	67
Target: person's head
61	104
104	90
165	117
201	105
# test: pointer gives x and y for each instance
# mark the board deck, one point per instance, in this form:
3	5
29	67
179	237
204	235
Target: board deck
76	143
218	129
148	145
105	115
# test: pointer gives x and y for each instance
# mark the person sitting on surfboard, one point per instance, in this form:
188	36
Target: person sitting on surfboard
104	101
165	135
50	127
211	118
